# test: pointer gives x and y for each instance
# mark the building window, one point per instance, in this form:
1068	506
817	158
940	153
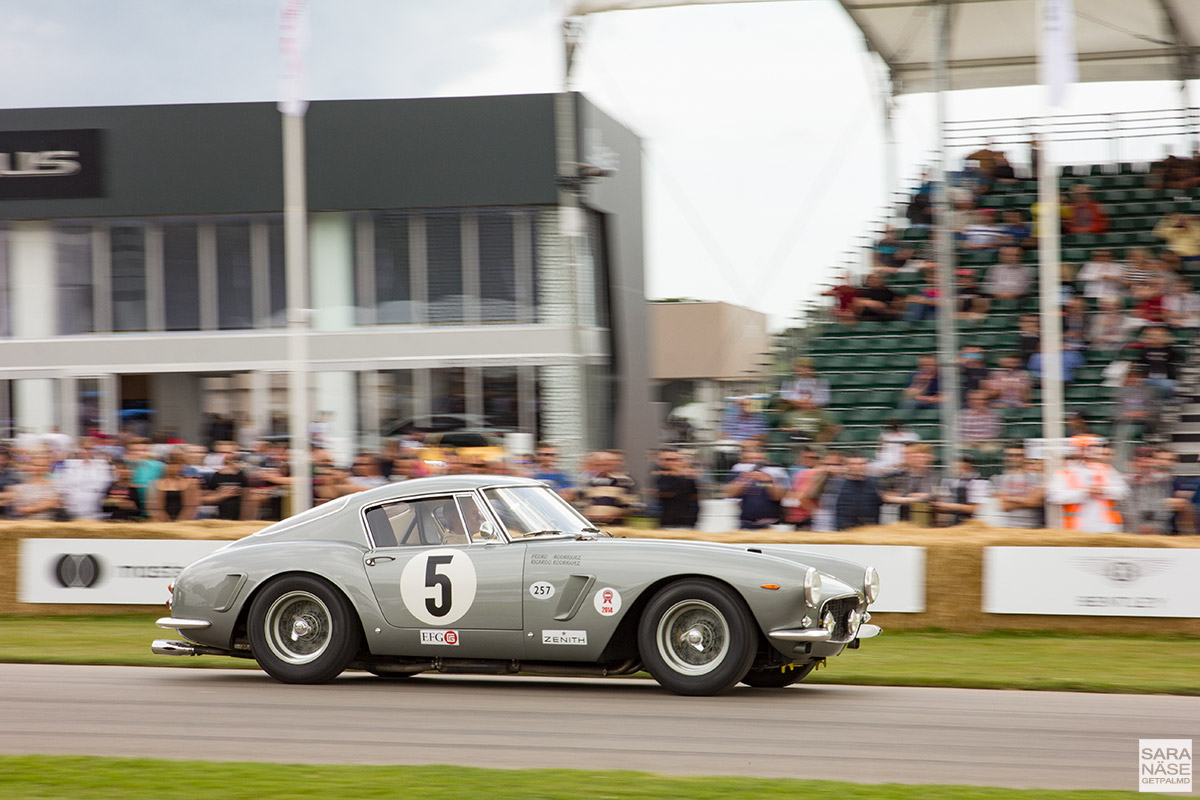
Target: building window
127	251
393	275
235	305
277	274
598	249
73	251
5	313
501	398
448	391
443	241
497	268
181	276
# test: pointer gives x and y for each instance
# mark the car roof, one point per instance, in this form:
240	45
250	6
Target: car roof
439	483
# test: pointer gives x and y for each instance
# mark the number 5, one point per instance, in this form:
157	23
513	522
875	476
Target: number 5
433	578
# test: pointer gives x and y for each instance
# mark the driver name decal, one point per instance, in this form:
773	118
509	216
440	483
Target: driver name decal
564	637
438	586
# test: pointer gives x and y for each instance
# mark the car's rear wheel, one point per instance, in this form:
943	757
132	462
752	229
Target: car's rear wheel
777	677
302	630
696	637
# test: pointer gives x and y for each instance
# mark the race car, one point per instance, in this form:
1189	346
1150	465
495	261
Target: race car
495	574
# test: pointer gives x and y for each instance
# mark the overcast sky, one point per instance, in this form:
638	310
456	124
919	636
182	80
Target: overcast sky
761	123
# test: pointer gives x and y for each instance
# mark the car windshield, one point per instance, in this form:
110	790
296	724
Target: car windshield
532	510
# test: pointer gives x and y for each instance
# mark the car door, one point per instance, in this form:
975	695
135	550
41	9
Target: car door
449	590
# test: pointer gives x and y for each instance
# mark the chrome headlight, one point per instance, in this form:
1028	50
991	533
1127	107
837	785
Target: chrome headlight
812	587
853	620
871	584
828	622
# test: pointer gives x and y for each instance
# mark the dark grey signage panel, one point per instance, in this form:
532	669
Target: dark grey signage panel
51	164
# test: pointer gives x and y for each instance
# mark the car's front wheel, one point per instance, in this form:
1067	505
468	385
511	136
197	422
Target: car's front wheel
777	677
696	637
302	630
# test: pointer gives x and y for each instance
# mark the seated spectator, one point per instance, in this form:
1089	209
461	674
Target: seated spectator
1009	279
972	302
961	494
1181	307
1075	320
913	487
844	293
1138	404
1172	172
980	425
923	390
1149	309
805	386
1181	232
889	456
609	496
807	422
920	207
1101	276
981	233
858	500
676	491
1107	329
1020	490
1003	171
1010	385
922	304
1149	507
1087	216
891	253
875	302
1074	349
1157	352
1136	270
759	487
972	370
743	422
1015	231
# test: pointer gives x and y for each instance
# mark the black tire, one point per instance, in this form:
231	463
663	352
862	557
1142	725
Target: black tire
696	637
302	630
777	677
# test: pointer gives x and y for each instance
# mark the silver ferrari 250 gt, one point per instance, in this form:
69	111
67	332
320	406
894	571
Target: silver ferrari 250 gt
498	575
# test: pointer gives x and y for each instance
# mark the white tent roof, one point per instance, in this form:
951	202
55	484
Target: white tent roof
995	42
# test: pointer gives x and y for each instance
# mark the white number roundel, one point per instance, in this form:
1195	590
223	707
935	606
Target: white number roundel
438	586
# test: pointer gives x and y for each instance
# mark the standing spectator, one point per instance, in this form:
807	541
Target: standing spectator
1086	215
1009	279
1183	490
806	386
174	497
923	390
760	488
609	496
875	301
1009	384
1148	508
37	496
228	489
365	473
1138	405
1088	491
742	422
795	512
122	501
1021	490
979	424
889	456
1182	235
1102	277
913	487
146	468
8	479
676	490
960	494
822	493
547	470
83	479
858	500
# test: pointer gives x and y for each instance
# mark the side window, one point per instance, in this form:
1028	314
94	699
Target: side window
426	522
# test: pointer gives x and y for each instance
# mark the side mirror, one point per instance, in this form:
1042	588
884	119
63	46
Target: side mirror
487	532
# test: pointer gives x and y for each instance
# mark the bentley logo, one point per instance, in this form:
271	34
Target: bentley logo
1123	570
75	571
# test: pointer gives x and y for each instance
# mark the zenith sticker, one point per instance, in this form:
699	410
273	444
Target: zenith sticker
607	601
439	637
542	590
564	637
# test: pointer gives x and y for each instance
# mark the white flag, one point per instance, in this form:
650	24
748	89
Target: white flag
1058	63
293	45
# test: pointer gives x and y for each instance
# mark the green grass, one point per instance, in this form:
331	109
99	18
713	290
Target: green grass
1163	665
29	777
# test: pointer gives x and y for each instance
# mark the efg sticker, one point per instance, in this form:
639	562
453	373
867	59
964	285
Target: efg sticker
607	601
438	586
564	637
542	590
439	637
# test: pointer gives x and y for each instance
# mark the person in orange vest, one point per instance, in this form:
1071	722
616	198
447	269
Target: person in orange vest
1088	489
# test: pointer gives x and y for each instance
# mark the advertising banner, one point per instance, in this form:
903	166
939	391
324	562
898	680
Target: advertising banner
1091	581
103	571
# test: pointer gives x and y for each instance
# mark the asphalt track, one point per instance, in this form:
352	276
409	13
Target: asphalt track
858	733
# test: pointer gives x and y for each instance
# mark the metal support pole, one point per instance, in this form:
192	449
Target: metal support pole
295	233
947	334
1051	330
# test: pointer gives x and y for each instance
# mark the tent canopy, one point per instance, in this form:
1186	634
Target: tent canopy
995	42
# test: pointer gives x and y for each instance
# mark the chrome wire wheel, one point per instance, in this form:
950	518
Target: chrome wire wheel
693	637
298	627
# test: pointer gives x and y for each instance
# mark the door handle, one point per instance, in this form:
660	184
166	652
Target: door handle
373	560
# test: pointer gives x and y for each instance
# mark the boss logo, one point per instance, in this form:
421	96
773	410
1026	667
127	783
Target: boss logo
45	163
77	571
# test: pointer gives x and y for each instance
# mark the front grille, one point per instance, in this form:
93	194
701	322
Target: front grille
841	607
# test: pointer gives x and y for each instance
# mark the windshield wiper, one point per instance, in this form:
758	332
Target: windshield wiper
541	533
